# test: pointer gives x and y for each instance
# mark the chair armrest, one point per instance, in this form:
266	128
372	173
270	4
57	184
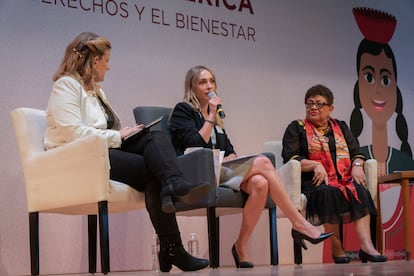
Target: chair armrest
271	157
290	174
72	174
198	167
370	168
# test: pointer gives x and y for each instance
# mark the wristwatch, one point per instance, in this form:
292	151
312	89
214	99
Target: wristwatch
356	163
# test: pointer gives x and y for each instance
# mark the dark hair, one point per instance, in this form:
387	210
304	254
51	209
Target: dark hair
356	123
320	90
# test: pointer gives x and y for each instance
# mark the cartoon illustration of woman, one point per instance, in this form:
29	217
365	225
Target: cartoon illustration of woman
377	93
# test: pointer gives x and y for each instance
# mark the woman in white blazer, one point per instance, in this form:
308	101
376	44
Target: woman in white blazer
78	107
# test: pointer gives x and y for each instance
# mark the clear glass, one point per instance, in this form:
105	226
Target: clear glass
193	245
155	248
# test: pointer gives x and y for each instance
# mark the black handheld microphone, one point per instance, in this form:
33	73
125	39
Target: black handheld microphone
219	107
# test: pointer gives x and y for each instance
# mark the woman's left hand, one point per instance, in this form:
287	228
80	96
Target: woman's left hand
358	175
127	130
230	157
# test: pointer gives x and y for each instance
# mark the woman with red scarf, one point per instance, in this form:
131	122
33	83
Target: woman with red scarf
333	177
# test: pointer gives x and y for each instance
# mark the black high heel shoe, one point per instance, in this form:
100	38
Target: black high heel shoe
237	260
298	237
364	257
340	259
175	254
179	189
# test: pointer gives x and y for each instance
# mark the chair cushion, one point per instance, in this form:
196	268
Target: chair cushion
122	198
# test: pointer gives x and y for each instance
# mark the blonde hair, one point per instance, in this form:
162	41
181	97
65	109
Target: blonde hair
79	58
191	80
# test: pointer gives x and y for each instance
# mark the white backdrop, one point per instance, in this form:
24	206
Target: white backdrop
262	80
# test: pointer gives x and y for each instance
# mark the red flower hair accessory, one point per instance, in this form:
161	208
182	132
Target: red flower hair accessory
375	25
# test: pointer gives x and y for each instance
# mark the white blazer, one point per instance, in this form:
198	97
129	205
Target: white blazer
72	113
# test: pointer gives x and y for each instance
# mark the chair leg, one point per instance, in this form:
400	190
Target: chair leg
92	224
274	252
213	223
104	235
34	242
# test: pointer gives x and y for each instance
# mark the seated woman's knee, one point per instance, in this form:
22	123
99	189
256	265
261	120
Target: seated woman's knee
259	184
158	135
263	162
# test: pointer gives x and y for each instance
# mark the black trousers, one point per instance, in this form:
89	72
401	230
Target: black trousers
145	165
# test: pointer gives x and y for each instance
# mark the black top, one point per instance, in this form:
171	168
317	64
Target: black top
110	118
295	144
327	204
184	126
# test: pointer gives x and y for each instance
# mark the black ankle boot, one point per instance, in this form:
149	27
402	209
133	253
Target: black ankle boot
175	254
180	189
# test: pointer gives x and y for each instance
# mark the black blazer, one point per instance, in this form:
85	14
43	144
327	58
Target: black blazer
185	123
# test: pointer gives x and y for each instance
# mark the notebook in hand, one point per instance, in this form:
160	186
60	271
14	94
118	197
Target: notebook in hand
137	133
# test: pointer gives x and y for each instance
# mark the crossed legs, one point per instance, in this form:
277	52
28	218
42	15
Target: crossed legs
260	181
257	188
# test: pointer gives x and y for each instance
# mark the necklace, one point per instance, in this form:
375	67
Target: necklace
324	131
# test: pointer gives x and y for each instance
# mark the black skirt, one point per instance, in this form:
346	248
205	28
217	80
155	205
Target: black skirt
327	204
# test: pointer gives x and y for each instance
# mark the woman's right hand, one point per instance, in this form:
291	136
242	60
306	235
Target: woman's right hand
319	175
213	103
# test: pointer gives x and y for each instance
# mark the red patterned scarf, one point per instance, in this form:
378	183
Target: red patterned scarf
318	147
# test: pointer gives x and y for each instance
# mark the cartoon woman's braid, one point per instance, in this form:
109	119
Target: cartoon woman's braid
401	126
357	122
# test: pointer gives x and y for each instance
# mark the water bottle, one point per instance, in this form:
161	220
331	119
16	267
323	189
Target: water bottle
155	248
193	245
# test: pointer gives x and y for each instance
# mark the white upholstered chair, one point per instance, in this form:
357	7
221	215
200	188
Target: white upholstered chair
72	179
290	173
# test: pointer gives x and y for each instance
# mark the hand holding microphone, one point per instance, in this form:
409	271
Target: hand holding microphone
219	107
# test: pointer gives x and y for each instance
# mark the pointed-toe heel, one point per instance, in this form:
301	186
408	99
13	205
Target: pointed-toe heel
298	237
237	259
365	257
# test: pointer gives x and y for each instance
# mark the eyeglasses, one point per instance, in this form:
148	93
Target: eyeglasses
319	105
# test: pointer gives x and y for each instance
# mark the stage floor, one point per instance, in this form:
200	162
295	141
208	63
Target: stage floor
399	268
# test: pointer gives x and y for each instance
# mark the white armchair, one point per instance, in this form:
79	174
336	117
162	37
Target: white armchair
290	174
72	179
